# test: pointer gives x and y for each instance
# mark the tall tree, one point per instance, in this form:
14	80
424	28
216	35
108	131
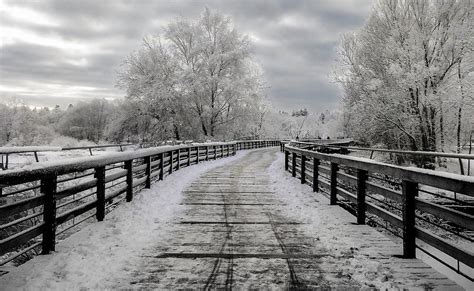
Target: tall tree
396	70
194	77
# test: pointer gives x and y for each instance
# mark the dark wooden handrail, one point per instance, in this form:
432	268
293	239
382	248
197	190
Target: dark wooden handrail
348	178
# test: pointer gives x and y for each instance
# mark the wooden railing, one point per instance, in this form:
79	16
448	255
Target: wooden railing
422	154
390	195
47	199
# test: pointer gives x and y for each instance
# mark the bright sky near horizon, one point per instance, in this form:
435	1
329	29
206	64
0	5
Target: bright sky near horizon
59	52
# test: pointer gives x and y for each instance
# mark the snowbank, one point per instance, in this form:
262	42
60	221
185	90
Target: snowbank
101	253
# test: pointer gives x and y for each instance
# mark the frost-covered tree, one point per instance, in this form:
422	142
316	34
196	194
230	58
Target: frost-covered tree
195	77
398	73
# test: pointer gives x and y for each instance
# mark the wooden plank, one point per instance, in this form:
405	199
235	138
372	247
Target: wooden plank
19	206
115	176
70	214
454	216
16	240
76	188
386	192
346	194
349	179
139	168
467	257
137	182
116	193
384	214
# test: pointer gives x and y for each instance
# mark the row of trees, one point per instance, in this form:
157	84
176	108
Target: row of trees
408	75
196	80
102	121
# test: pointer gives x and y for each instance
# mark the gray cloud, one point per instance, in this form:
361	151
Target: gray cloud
295	43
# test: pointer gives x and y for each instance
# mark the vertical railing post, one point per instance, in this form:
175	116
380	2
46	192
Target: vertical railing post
215	152
334	169
293	165
48	188
222	151
129	180
162	165
171	162
197	155
178	161
100	176
409	192
207	153
148	172
189	157
287	157
361	191
303	168
315	175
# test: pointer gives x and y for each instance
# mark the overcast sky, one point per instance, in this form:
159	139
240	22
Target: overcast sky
59	52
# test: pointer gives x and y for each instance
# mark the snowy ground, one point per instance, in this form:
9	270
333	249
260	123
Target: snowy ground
101	252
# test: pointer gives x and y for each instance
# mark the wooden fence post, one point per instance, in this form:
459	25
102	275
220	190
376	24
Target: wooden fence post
215	152
178	161
303	168
189	157
162	165
197	155
129	180
409	192
48	188
171	162
361	191
315	175
293	164
100	176
148	172
207	153
287	157
333	198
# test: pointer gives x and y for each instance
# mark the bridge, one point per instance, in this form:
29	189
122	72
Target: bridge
255	214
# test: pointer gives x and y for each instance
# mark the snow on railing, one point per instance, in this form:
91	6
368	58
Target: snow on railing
38	202
399	197
457	156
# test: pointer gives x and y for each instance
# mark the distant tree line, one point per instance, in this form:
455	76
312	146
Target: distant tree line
101	121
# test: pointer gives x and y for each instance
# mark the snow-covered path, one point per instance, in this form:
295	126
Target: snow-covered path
240	222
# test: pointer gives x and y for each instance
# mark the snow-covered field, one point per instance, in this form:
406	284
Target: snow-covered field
101	252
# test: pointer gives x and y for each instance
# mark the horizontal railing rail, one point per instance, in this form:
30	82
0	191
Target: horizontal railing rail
394	195
458	156
45	200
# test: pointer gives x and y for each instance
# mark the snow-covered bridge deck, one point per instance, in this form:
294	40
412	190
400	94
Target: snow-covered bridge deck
239	228
239	222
